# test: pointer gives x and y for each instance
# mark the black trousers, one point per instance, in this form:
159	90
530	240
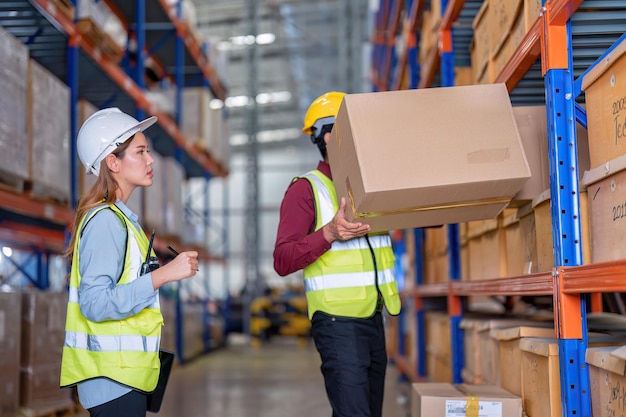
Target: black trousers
133	404
354	362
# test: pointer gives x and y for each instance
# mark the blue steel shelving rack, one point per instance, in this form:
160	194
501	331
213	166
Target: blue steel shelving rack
92	76
572	285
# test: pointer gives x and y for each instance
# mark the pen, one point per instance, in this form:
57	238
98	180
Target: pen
175	252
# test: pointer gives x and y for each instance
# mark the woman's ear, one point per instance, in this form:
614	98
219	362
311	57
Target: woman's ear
113	163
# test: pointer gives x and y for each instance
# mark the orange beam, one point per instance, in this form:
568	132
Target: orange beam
592	278
455	306
190	41
526	54
445	40
391	40
126	83
554	40
31	206
432	290
535	284
596	303
451	14
430	68
24	236
567	309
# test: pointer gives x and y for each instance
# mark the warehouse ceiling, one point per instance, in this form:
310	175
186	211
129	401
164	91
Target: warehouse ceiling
305	48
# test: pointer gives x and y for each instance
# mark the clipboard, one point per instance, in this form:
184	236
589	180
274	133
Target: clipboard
155	398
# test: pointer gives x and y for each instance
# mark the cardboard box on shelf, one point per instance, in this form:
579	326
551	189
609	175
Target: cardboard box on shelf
10	310
510	354
479	48
502	17
536	232
42	335
15	155
417	158
532	126
605	90
513	242
607	209
430	399
607	374
541	384
49	133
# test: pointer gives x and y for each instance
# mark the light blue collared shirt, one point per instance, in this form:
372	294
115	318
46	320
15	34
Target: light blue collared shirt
102	250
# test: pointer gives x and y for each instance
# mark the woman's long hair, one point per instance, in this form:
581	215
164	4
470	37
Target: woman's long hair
102	192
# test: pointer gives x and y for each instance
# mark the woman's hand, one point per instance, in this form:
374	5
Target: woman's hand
184	265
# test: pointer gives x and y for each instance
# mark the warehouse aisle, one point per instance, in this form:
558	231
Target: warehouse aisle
280	379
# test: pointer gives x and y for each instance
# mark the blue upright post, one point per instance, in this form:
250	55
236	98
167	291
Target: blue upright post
564	193
180	69
72	82
420	333
454	251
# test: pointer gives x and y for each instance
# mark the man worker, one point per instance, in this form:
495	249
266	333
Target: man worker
348	277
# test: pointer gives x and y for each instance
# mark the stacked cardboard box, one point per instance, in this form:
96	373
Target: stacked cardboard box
510	354
541	384
438	352
43	333
606	180
10	310
49	130
607	377
444	400
15	156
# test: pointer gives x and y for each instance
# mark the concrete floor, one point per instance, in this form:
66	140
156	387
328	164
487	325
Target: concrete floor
279	379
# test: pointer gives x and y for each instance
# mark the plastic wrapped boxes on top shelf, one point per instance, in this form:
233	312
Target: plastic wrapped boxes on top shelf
204	126
14	158
10	310
49	129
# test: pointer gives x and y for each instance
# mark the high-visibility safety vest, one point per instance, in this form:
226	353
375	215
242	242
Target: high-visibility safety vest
126	351
346	280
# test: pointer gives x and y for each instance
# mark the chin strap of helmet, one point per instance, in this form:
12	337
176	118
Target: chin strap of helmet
319	139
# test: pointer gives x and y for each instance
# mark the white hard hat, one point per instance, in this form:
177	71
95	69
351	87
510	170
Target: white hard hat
104	131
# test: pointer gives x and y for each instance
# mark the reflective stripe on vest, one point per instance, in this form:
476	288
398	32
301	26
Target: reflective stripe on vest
343	280
125	350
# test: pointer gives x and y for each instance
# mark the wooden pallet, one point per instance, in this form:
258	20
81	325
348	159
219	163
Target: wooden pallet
47	192
100	39
10	181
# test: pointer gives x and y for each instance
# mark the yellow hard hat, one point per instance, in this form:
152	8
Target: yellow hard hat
322	112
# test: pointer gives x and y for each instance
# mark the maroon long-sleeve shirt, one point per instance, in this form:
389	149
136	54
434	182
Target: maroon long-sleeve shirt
296	244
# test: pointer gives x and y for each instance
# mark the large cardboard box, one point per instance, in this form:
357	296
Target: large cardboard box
541	384
607	377
533	128
42	336
502	18
510	354
605	89
606	186
536	232
49	131
10	309
426	157
430	399
479	48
